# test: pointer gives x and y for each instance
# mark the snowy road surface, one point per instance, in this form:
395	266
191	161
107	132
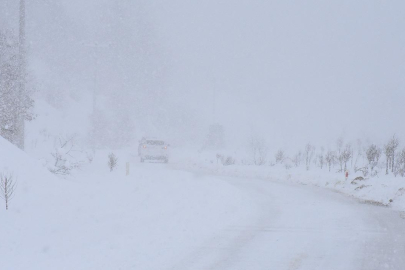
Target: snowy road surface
165	219
303	228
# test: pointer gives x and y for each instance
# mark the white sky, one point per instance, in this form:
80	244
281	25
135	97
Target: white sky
293	71
299	70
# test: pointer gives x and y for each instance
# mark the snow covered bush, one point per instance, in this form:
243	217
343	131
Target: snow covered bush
279	156
112	161
66	156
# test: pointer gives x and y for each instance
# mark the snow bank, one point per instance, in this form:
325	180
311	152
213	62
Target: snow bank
34	183
383	190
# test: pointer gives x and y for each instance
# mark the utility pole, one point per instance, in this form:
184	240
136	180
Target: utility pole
22	61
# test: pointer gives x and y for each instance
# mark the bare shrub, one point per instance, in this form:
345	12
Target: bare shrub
330	158
64	156
297	159
309	154
374	173
363	170
7	188
112	161
339	145
279	156
362	186
228	161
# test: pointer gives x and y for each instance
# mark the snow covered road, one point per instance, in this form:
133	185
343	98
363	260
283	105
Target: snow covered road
296	227
165	219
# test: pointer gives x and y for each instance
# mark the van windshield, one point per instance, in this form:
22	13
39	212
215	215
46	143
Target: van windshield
154	142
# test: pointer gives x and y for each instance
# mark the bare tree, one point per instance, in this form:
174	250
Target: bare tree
112	161
400	165
347	154
389	151
359	152
15	101
7	188
309	154
351	157
297	159
330	158
341	161
339	144
394	143
373	154
321	158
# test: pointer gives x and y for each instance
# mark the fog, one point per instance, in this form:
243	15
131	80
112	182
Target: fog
211	134
297	71
291	72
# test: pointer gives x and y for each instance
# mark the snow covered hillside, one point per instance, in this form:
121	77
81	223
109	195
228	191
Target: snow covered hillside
103	220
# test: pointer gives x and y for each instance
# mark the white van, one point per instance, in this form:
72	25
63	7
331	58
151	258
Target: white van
153	149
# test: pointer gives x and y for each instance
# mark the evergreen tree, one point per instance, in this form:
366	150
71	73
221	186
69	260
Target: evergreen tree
15	102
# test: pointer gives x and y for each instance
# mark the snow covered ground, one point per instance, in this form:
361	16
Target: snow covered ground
385	190
103	220
161	217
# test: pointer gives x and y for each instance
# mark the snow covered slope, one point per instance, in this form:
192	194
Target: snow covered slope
34	183
106	220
